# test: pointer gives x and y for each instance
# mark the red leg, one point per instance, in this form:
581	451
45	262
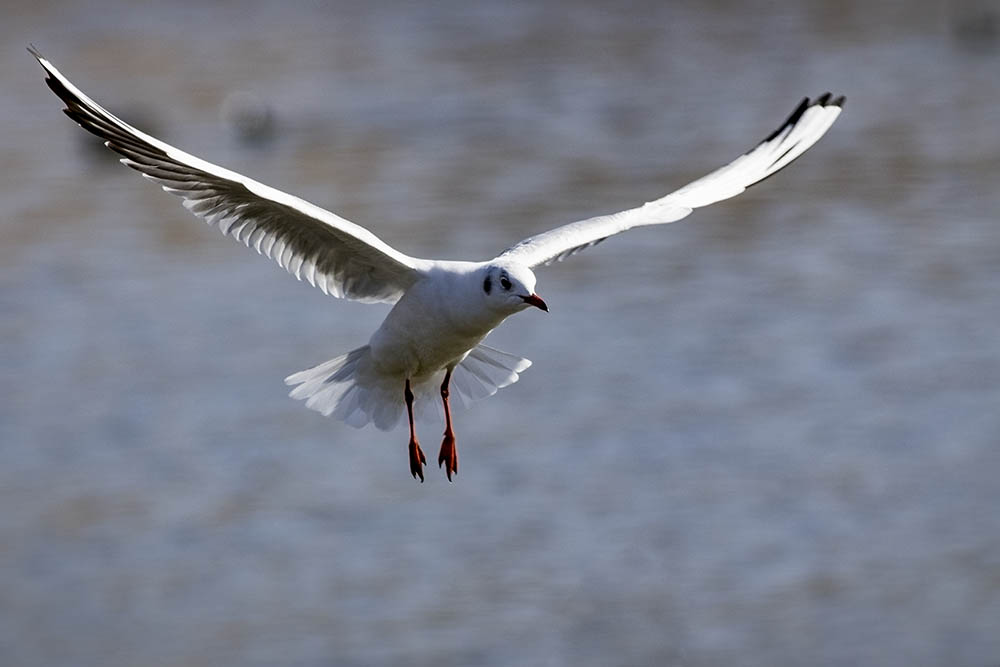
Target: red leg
417	459
449	454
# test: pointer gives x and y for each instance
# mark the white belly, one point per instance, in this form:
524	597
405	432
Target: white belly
410	352
421	335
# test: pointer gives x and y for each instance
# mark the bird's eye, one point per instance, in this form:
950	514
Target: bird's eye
505	283
487	285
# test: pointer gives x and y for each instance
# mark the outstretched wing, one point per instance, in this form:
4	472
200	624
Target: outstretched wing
338	256
809	122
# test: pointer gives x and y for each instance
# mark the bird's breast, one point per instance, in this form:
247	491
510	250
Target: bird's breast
423	334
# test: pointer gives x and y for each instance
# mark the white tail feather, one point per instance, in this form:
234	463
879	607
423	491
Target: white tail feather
348	388
485	370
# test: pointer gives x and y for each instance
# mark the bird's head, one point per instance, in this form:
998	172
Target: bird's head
509	288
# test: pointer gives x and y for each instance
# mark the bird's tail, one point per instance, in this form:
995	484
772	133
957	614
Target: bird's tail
348	388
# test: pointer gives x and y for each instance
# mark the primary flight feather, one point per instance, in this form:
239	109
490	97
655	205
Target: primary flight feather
431	340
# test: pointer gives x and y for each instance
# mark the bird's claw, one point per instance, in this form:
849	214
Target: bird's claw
417	460
448	456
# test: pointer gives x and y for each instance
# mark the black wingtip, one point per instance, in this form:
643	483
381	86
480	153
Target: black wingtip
791	120
56	86
33	50
823	100
828	100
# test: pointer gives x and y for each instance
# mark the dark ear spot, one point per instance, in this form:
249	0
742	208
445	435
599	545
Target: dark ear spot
487	285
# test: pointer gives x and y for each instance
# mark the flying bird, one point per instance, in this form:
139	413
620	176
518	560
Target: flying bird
432	338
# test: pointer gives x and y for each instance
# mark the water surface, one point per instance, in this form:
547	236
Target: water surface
766	435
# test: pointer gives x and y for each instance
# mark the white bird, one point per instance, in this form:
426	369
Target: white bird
432	337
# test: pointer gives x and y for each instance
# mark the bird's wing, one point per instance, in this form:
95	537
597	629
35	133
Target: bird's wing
338	256
809	121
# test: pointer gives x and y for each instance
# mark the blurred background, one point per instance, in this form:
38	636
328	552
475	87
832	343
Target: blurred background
766	435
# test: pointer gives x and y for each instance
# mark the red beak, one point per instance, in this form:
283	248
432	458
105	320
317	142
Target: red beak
536	301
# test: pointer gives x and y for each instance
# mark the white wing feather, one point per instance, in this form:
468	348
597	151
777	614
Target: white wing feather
809	122
341	258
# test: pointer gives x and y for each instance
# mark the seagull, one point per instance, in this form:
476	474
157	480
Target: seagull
432	338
